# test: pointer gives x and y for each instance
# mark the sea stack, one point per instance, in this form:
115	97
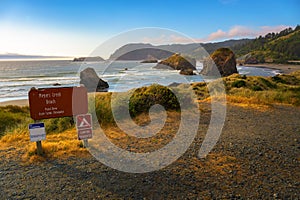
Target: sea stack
221	62
90	79
177	62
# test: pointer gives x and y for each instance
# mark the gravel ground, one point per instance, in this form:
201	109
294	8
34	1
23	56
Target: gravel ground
257	157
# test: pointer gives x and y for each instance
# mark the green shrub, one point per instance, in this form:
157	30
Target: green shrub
256	88
8	120
238	83
12	117
278	79
266	83
143	98
103	110
17	109
58	125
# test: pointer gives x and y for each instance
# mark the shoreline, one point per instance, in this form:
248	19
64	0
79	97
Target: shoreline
19	102
283	68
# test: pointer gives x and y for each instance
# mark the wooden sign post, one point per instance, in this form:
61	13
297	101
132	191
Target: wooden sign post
48	103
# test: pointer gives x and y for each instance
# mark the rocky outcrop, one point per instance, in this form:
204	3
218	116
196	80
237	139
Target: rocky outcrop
90	79
177	62
251	60
221	62
88	59
149	61
188	72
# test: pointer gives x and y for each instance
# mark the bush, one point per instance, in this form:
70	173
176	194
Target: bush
103	108
143	98
266	83
11	117
278	79
8	120
58	125
256	88
238	83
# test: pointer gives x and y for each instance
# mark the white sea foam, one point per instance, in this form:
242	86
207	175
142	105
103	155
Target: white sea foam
16	78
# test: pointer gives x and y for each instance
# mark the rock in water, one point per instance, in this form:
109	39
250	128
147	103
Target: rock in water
177	62
188	72
90	79
225	62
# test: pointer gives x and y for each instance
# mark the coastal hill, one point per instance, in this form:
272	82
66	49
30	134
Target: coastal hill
88	59
272	48
140	51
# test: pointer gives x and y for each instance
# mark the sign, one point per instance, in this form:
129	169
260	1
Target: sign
84	126
37	132
57	102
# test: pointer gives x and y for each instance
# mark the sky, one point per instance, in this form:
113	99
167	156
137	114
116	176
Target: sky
77	27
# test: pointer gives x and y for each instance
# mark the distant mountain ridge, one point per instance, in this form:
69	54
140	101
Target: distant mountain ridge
141	51
272	48
19	56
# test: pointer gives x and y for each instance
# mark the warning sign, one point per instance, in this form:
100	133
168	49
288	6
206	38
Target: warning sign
37	132
84	126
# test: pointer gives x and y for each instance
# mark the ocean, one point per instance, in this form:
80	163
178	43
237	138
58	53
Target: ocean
17	77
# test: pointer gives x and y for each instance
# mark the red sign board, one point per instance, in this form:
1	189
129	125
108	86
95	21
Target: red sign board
84	126
57	102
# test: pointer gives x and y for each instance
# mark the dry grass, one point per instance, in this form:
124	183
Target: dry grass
256	92
55	146
245	102
250	92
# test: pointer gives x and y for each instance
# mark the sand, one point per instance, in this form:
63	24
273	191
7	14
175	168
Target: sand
284	68
21	102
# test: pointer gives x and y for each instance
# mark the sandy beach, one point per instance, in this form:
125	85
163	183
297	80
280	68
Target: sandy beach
21	102
284	68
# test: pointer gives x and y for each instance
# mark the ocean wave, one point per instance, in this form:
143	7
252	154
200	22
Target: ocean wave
16	81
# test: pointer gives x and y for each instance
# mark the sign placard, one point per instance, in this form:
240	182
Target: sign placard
37	132
57	102
84	126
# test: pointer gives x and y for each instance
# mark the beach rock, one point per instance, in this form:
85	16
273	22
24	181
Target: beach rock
90	79
150	61
223	60
188	72
174	84
177	62
251	60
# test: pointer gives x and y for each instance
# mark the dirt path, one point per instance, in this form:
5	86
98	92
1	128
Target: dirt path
257	157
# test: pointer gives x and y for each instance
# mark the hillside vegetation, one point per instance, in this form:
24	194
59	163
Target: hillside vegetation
284	88
272	48
241	90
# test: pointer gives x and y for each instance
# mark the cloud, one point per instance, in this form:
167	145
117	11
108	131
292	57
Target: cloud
233	33
218	34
